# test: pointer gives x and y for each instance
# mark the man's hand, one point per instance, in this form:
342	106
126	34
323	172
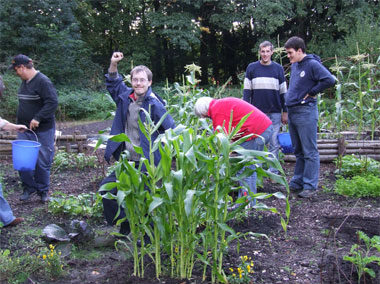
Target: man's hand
16	127
284	118
34	124
116	57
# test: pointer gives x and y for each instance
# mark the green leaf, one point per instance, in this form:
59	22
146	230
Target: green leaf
169	190
122	137
189	201
155	203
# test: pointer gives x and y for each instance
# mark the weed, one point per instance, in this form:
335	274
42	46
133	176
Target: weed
362	256
78	253
242	273
17	269
52	262
85	204
80	161
359	186
326	232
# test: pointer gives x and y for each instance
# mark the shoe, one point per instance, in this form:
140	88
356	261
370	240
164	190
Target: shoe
125	228
306	193
274	171
16	221
25	195
295	190
44	196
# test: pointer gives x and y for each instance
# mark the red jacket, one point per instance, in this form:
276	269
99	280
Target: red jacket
220	112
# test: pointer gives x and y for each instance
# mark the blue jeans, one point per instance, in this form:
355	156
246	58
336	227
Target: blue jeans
6	215
274	147
39	179
254	144
303	121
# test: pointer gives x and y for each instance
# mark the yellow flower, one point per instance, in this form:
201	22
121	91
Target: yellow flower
252	263
248	268
231	269
176	249
44	256
51	246
240	275
239	270
59	253
234	275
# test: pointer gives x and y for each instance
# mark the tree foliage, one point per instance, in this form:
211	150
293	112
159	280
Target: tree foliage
68	38
48	32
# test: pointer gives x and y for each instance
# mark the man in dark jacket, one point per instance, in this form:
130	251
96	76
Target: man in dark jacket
36	109
129	102
308	78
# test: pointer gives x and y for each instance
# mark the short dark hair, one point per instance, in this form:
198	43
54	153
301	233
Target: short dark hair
296	43
142	68
265	44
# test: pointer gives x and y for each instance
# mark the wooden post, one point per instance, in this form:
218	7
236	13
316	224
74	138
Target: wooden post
341	145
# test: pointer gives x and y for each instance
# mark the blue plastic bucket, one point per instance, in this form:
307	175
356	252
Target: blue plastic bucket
285	143
25	154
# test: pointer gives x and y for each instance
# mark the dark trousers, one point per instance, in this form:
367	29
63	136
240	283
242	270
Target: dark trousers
110	207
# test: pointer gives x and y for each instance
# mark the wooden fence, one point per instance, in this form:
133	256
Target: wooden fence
329	148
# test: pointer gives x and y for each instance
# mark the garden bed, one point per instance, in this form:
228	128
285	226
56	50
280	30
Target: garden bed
321	231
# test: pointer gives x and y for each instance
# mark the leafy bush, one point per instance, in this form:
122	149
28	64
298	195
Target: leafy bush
17	269
359	186
86	205
83	104
353	166
72	103
64	160
9	100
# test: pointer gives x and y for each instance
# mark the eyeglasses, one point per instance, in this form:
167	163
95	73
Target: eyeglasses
141	80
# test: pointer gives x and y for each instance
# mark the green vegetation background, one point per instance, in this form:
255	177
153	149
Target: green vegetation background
72	41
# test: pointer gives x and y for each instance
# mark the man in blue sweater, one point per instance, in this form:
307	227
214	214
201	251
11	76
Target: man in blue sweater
308	78
129	102
264	87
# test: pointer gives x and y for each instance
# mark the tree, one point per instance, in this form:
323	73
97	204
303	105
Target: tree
46	31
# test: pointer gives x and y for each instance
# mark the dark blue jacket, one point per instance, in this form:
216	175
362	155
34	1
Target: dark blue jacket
152	102
308	76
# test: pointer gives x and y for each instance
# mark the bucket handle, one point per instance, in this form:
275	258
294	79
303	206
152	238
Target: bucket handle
33	133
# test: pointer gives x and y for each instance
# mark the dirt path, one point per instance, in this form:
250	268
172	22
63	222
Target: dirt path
321	231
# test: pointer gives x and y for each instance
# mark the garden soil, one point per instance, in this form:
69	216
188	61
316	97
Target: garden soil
321	231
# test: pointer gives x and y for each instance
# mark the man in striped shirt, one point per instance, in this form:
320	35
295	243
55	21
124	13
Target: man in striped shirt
264	87
36	109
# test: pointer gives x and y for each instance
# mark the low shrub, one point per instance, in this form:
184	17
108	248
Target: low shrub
83	104
84	205
64	160
17	269
358	166
73	103
9	100
359	186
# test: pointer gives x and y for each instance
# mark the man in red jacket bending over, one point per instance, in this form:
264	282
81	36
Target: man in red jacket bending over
258	124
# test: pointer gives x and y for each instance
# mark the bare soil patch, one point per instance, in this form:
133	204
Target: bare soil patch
321	231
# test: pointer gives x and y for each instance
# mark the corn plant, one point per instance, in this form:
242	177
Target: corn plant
187	192
180	202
